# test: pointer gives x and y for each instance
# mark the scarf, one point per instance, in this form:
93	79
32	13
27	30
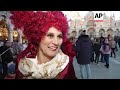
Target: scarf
30	68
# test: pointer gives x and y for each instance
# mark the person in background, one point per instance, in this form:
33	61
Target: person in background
106	50
119	41
92	58
72	37
97	50
6	56
16	48
112	45
116	41
84	54
68	35
102	39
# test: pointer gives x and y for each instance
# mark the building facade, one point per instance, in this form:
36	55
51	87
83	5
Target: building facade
7	30
96	28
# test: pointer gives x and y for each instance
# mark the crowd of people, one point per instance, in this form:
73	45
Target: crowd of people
93	50
8	54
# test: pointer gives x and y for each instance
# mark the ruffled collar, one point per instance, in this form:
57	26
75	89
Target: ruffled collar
30	68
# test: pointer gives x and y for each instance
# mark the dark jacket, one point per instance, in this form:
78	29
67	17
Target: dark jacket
97	47
7	56
102	39
84	49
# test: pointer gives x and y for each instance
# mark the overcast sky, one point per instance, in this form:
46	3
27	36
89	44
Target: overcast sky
108	13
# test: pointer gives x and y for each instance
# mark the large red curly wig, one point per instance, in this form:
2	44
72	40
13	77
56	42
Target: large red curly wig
35	24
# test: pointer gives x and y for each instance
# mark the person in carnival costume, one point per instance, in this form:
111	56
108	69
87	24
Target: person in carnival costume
49	54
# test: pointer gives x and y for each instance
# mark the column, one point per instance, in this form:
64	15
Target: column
10	26
11	35
19	38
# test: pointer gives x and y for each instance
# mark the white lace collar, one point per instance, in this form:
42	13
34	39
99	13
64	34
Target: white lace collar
30	68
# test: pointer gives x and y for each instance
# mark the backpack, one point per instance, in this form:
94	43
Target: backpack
107	48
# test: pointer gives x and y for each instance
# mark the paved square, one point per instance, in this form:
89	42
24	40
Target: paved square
100	71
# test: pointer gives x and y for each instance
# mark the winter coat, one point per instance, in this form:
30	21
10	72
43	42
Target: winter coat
105	48
7	56
84	49
96	47
112	44
101	40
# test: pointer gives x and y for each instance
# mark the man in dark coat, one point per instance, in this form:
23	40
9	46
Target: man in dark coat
84	53
102	39
6	57
116	41
119	41
96	48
